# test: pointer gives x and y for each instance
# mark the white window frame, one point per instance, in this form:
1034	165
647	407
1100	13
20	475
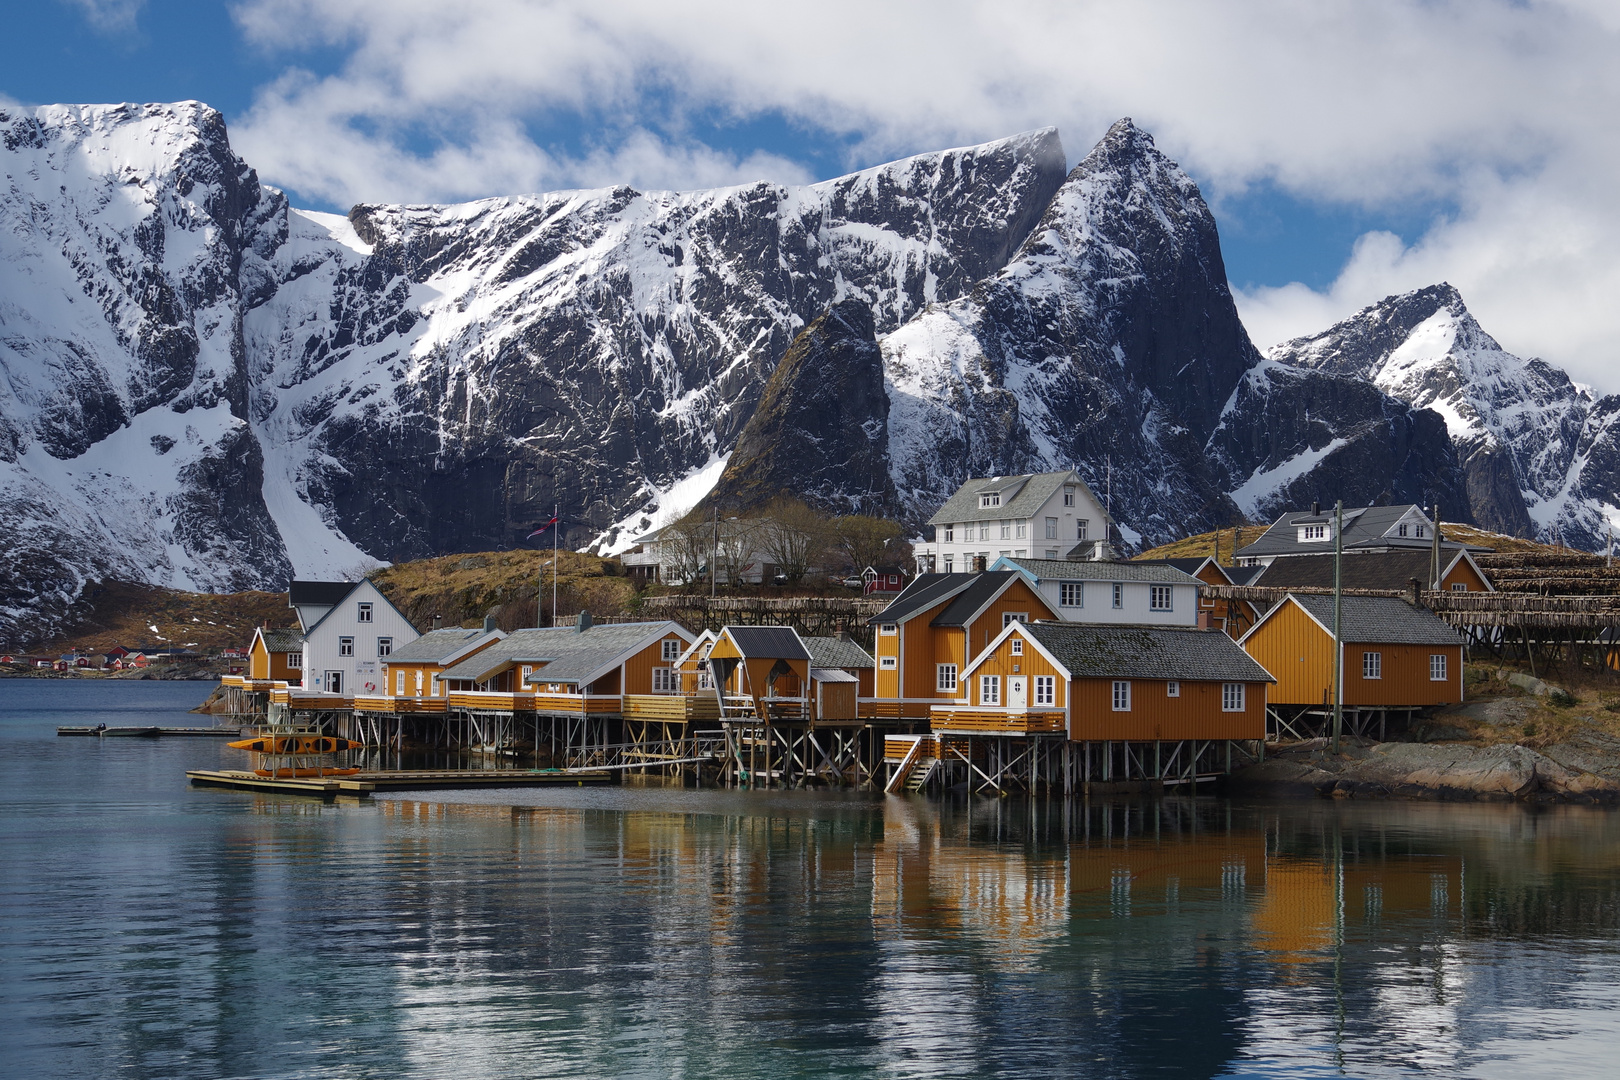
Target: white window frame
1233	697
1010	617
1459	586
950	534
1166	593
399	684
1372	665
670	649
888	663
1068	495
665	680
1311	533
984	530
1021	530
1419	531
385	646
887	629
949	562
1439	667
524	675
989	689
345	646
945	678
1006	530
1046	690
1122	695
295	661
1119	595
1081	526
1018	646
1172	688
987	499
363	611
1051	528
1071	594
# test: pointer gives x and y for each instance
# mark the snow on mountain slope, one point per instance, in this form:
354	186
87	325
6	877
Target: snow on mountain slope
1523	430
125	265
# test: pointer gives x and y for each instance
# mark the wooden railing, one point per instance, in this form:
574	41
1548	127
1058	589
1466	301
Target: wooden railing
674	708
990	720
890	709
299	698
896	747
495	701
384	704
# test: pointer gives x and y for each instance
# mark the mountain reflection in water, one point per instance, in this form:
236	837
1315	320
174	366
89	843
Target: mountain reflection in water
151	930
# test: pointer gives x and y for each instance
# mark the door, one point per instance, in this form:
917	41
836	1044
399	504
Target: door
1018	692
334	682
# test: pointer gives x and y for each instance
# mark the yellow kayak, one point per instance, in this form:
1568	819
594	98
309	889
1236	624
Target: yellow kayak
296	744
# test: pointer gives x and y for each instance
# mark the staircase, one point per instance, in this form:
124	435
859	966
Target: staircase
917	779
915	768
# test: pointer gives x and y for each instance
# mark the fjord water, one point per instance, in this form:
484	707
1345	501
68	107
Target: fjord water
152	930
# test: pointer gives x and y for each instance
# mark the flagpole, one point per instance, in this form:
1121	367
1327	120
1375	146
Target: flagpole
556	528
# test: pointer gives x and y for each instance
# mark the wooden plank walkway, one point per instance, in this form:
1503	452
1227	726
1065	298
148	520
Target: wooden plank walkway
362	784
153	732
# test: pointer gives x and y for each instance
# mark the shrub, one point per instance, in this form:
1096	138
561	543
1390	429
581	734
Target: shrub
1563	699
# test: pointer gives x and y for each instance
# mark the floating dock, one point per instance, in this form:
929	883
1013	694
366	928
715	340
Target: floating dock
152	732
363	784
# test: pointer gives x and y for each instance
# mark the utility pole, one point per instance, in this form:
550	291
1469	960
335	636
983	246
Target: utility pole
714	557
1434	551
556	527
1338	629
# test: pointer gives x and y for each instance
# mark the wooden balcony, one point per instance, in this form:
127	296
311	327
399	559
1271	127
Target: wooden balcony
996	721
298	698
374	703
890	709
575	704
672	708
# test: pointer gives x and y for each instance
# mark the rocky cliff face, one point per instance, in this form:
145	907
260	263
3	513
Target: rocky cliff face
821	430
1536	449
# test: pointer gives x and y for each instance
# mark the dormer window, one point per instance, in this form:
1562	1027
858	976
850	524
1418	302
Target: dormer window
988	499
1401	530
364	613
1418	529
1308	533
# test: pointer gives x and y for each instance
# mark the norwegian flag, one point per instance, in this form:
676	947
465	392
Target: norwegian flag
541	530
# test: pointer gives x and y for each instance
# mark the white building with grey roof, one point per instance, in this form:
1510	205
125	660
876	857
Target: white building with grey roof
1366	529
1041	515
1112	592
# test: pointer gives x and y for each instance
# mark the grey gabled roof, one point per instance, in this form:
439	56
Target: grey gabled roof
284	640
924	592
317	593
569	655
1101	651
353	587
1378	620
1363	527
437	646
831	652
1021	496
1367	570
781	642
973	599
1063	570
831	675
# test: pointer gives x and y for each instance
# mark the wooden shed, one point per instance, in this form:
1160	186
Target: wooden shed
1397	655
768	665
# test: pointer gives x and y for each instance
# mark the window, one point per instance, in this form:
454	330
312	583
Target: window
1070	594
665	681
888	628
1419	531
524	676
1051	553
1080	527
671	650
1372	665
1459	586
950	534
1437	667
1400	530
888	663
385	646
345	646
1021	531
1010	617
1068	496
1172	688
364	613
1018	646
295	661
989	689
984	531
1232	697
1122	695
433	685
1045	690
1051	528
1313	532
1006	530
945	678
1159	598
989	498
1119	595
399	683
704	681
948	564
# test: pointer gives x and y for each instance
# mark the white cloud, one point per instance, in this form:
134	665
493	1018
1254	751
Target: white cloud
1503	108
109	16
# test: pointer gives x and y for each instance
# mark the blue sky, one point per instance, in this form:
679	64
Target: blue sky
1348	154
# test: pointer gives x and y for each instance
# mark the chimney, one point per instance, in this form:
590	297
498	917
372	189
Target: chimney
436	622
489	623
843	635
1414	592
583	622
1316	509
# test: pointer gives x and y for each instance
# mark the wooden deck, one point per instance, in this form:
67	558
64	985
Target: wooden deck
994	722
363	784
564	704
298	698
154	732
671	708
373	703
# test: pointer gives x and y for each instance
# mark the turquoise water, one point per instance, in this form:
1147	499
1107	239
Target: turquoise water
152	930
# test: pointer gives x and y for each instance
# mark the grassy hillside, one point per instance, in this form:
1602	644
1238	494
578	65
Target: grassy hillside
118	613
463	589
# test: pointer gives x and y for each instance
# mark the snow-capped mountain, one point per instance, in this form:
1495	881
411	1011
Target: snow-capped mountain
1536	448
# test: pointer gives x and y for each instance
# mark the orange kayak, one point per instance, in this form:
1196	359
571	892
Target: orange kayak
294	774
296	744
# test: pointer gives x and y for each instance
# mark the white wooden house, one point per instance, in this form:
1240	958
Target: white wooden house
352	634
1089	591
1035	516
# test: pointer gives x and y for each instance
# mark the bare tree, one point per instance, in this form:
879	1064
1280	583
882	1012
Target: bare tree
867	541
792	536
684	547
738	539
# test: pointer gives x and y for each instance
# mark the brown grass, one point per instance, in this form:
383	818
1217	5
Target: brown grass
463	589
1204	543
124	614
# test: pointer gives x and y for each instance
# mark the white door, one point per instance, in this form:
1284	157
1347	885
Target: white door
1018	692
334	682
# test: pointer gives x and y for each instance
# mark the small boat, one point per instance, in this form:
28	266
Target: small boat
298	774
295	744
128	732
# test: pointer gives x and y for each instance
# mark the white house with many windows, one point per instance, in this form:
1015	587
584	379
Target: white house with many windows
350	630
1040	516
1088	591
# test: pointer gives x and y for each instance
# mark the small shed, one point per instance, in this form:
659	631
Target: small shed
762	662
